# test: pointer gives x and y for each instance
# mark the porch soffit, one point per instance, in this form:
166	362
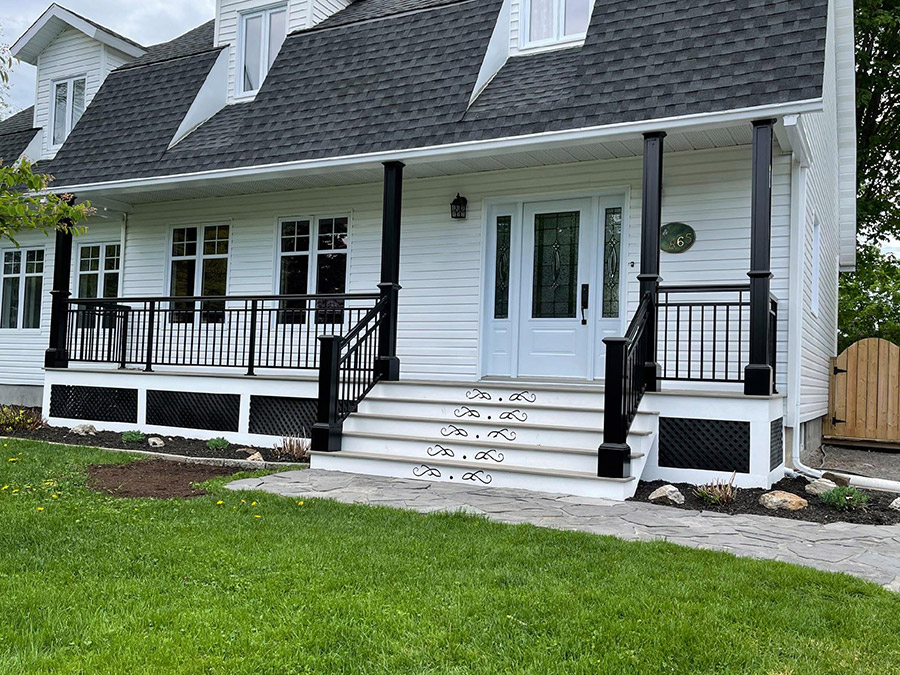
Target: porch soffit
581	152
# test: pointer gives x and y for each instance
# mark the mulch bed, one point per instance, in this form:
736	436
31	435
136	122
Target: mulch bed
175	445
876	512
155	478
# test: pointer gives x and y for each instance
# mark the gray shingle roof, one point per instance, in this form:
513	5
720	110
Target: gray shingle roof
16	132
379	77
104	28
195	41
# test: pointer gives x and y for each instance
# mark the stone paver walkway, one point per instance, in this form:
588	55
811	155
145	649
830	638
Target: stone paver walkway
867	551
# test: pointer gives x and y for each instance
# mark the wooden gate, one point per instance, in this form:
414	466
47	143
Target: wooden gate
865	394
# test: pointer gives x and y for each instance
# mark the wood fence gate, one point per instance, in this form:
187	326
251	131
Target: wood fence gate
865	394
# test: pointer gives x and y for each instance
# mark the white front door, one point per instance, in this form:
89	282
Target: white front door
555	287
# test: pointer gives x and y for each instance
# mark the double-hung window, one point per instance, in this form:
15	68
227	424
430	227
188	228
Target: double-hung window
98	277
199	267
68	106
262	33
553	21
313	259
20	294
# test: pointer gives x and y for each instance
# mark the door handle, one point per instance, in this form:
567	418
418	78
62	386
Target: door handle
585	302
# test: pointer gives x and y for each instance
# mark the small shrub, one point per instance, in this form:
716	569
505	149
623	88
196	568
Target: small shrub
218	444
295	448
133	437
844	498
718	493
17	418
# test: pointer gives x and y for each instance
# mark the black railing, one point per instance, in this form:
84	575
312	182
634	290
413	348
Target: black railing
627	361
703	332
349	371
247	332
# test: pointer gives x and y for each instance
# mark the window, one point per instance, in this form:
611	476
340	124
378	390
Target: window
262	34
501	268
20	298
313	255
816	265
199	267
98	271
68	106
549	21
612	247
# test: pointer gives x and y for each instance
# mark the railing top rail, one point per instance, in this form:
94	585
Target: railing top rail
637	321
704	288
223	298
362	323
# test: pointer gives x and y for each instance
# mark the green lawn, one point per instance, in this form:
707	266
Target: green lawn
93	584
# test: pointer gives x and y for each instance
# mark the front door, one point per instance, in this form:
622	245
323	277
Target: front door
554	330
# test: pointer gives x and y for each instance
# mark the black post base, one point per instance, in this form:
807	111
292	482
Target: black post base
389	368
758	380
326	437
614	460
56	358
652	373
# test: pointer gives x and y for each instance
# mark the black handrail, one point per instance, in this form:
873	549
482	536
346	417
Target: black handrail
627	360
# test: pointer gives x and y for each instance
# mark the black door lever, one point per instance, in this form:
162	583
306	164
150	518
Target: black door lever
585	302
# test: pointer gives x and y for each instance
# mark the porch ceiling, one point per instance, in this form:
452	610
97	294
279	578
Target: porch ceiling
198	187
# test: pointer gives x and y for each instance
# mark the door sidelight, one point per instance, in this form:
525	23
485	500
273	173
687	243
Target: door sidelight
585	302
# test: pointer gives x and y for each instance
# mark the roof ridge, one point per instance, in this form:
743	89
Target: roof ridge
324	25
135	66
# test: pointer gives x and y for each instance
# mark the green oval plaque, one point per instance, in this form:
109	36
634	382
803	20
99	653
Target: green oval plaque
676	237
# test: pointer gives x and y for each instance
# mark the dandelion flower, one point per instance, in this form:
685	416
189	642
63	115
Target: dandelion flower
6	487
219	503
13	459
54	496
299	503
253	504
257	516
40	508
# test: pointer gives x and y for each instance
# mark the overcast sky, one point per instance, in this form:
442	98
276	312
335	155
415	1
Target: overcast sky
146	21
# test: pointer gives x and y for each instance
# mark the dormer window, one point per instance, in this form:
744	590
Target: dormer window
68	106
262	34
549	22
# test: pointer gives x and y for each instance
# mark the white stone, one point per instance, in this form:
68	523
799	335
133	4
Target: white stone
156	442
247	451
895	504
781	500
255	457
667	494
820	486
85	430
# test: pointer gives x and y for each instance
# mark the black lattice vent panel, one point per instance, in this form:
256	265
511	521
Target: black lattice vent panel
100	404
282	416
776	454
709	445
192	410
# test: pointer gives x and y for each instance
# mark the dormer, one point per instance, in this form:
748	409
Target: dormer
73	55
548	24
254	30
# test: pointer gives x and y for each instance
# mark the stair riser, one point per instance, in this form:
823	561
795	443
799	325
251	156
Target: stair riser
503	435
589	399
584	487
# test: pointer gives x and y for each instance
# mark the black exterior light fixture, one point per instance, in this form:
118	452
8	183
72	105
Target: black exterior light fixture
458	207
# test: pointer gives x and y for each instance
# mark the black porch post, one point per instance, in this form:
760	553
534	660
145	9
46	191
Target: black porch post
388	363
758	379
651	220
57	355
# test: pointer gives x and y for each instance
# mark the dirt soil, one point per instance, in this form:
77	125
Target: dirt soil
155	478
876	512
175	445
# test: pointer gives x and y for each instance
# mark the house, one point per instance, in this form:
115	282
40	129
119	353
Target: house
549	244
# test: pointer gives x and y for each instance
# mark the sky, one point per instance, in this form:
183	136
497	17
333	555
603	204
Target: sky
145	21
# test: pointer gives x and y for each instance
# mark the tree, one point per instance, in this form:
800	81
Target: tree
26	202
868	304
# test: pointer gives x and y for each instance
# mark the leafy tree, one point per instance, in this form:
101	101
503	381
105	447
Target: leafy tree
26	202
868	304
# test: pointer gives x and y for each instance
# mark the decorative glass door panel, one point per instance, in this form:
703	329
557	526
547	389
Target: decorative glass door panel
555	280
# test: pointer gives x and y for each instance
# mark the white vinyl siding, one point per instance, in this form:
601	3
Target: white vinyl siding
322	9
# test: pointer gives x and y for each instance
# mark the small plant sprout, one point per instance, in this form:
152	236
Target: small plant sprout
718	493
133	437
218	444
845	498
295	448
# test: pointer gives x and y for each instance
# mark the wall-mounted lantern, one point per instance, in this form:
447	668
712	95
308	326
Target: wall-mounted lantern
458	207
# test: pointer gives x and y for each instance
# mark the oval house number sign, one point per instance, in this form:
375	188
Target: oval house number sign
676	237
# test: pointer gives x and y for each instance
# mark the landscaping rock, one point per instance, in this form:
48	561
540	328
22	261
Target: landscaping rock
246	451
843	481
85	430
255	457
667	494
895	504
156	442
780	500
820	486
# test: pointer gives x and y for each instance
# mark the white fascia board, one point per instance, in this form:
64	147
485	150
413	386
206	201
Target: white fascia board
797	139
52	22
452	151
210	99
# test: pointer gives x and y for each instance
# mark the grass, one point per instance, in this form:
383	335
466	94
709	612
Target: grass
94	584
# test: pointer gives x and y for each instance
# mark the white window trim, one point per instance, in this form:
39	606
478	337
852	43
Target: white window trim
558	39
263	12
199	257
102	272
312	269
70	100
816	290
22	276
